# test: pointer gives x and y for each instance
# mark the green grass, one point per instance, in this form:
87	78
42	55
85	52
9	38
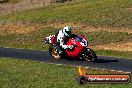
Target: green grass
113	53
32	40
97	38
116	13
32	74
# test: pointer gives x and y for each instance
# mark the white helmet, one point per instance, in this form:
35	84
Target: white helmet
67	30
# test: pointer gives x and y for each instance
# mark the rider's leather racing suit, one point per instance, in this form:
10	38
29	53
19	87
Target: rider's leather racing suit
60	41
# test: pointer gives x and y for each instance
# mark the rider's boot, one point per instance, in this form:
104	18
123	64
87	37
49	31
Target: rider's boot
58	49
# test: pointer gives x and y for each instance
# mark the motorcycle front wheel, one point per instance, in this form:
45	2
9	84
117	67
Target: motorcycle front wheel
89	55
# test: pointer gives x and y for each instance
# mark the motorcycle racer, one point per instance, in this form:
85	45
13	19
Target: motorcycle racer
61	37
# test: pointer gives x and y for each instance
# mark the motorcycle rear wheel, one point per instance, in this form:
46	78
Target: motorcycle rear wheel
53	52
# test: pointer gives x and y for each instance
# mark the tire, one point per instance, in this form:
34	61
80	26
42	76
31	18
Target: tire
90	55
53	52
81	80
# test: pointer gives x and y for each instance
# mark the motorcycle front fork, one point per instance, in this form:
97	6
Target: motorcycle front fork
84	54
81	56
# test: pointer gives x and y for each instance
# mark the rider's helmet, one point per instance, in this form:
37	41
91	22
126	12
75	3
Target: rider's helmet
67	30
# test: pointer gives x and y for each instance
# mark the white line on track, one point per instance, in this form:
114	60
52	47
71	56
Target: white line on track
94	68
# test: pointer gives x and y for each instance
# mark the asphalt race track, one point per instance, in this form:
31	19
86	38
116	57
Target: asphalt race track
103	62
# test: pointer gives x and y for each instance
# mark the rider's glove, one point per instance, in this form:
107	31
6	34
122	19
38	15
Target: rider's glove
70	46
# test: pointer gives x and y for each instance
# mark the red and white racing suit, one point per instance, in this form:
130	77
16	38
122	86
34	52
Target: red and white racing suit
61	39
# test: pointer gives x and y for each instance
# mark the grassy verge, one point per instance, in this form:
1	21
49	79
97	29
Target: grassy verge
113	53
115	13
24	74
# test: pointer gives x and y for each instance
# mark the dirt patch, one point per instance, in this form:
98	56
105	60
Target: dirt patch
107	29
129	9
87	28
62	24
21	28
29	27
8	8
17	28
116	46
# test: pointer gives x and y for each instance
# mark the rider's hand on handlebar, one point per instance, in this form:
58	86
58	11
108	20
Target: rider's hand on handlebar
70	46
